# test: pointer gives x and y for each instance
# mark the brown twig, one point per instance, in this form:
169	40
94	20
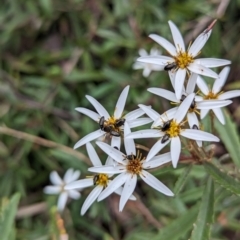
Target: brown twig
43	142
31	210
219	13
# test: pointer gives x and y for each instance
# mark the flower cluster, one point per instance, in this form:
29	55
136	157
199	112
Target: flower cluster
190	105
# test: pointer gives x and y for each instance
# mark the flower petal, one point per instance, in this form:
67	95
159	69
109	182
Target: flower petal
142	52
177	37
198	98
119	192
213	62
199	135
67	176
155	149
229	94
175	150
93	155
121	103
172	75
74	194
166	116
219	114
155	183
200	69
128	142
108	169
98	106
112	152
52	189
89	113
128	189
203	86
164	43
199	43
93	195
62	200
55	179
147	71
110	162
159	60
179	82
191	83
164	93
157	161
116	142
183	108
192	119
169	114
139	122
138	65
134	114
148	133
83	183
88	138
220	81
155	52
204	113
71	175
149	111
75	176
114	184
211	104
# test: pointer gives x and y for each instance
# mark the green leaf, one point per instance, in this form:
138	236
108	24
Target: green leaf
178	227
222	178
202	226
7	216
229	135
182	179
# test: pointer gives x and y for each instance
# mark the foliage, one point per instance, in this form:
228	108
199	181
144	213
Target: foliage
55	52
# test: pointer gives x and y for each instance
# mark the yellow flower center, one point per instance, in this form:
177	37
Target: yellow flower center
134	165
112	125
183	59
174	129
111	121
63	187
101	179
212	95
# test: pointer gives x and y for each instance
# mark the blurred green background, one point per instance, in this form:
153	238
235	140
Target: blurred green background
55	52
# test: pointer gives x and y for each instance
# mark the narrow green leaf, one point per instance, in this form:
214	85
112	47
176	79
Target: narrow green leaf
178	227
229	135
7	215
182	179
202	226
222	178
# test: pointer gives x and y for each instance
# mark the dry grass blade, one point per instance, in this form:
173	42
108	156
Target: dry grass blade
43	142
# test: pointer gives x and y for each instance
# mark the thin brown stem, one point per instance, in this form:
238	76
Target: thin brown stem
43	142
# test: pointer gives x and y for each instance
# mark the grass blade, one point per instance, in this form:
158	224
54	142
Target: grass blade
202	226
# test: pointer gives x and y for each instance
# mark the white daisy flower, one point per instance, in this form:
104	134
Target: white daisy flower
148	67
111	125
197	104
216	94
59	187
171	130
100	180
130	166
183	60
